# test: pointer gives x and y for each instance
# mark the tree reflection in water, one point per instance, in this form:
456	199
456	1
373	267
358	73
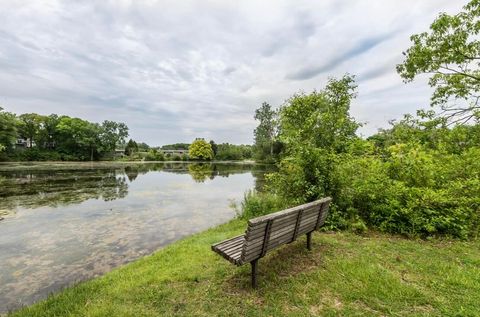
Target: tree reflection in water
37	187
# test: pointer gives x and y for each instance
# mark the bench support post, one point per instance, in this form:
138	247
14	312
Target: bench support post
254	273
309	241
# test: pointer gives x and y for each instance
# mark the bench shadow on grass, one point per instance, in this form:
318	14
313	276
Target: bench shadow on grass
277	266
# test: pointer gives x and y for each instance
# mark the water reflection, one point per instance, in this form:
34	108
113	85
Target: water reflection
55	186
67	222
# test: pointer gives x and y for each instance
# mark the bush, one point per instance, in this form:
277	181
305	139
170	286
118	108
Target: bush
256	204
154	155
414	192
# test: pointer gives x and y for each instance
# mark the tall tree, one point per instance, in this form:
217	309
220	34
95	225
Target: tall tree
131	147
30	124
113	133
79	137
320	119
450	53
47	136
8	128
266	131
214	147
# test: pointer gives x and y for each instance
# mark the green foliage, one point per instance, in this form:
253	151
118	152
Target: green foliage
232	152
154	155
176	146
266	146
53	137
200	150
256	204
421	177
450	52
131	147
29	126
315	129
112	134
8	129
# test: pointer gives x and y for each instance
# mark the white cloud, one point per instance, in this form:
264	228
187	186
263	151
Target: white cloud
174	70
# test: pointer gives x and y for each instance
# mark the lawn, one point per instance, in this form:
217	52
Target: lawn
344	274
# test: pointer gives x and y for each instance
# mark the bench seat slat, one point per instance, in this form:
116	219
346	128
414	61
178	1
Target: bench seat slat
231	249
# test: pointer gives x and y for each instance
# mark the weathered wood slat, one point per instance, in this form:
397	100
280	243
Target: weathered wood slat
286	211
309	212
279	231
228	240
223	246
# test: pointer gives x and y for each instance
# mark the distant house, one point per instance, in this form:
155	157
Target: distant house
24	143
119	153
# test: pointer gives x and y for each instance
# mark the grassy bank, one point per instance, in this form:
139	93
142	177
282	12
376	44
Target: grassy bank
345	274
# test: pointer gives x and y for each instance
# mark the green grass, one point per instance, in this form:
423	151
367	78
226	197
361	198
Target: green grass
345	274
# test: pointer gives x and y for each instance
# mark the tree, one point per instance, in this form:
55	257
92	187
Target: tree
320	119
214	148
79	137
200	150
316	130
8	128
131	147
47	136
266	131
113	133
450	52
30	124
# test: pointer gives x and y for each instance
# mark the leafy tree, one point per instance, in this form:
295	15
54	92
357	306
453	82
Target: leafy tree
450	51
79	137
320	119
200	150
8	128
131	147
48	133
29	127
214	147
143	147
266	132
315	128
113	133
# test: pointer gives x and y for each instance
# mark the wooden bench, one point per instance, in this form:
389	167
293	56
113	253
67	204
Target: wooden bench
271	231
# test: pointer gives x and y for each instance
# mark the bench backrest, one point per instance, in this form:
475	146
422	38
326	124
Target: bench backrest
270	231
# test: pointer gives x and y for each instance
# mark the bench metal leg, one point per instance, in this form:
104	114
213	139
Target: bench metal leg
309	241
254	273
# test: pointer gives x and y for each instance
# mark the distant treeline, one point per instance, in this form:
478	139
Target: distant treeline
34	137
31	136
201	150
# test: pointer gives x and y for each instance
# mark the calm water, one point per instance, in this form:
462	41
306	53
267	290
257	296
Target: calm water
63	223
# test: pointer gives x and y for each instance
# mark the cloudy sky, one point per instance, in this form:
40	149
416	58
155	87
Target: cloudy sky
176	70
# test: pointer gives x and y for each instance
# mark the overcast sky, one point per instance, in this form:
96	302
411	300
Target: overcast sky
176	70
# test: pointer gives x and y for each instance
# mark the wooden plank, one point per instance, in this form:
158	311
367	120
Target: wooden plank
224	241
287	218
282	225
229	243
281	231
287	211
233	247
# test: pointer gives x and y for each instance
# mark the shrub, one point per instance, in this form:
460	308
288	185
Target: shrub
257	204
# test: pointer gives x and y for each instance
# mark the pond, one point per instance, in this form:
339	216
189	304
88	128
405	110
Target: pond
63	223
